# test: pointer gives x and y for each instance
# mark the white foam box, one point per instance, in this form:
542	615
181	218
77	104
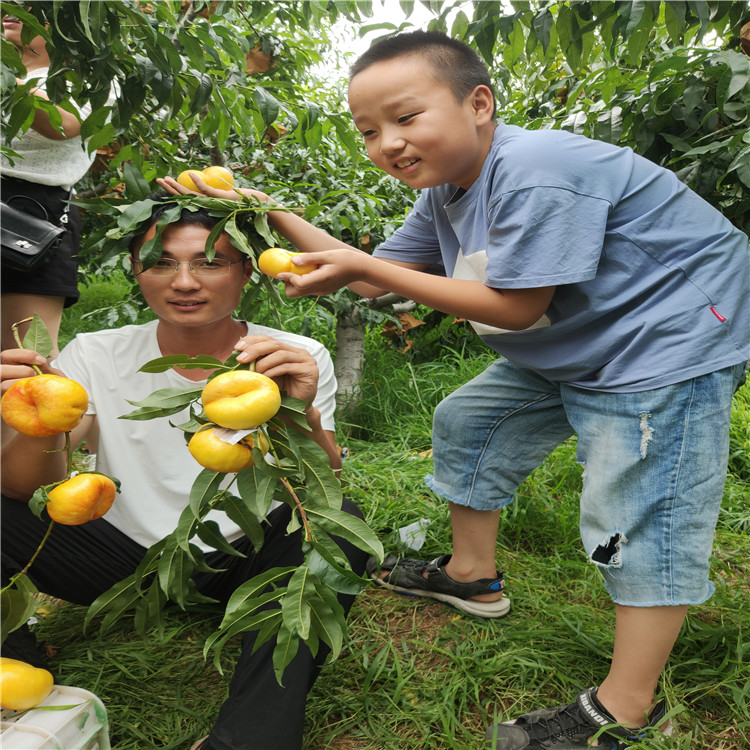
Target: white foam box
81	726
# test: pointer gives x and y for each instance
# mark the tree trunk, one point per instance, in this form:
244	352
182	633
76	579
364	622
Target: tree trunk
350	358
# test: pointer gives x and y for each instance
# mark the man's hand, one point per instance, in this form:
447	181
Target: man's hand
30	462
16	364
294	370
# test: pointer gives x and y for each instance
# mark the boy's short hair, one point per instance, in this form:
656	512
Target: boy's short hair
454	62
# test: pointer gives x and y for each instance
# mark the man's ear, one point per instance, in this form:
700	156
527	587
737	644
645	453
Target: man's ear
483	103
247	268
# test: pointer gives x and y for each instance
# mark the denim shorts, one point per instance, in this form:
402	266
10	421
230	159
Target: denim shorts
654	463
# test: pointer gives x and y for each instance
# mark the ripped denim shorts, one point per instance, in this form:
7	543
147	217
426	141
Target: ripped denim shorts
654	468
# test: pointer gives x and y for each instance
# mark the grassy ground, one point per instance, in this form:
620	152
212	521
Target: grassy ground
416	675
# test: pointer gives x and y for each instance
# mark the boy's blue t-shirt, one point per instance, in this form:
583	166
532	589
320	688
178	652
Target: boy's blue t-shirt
653	283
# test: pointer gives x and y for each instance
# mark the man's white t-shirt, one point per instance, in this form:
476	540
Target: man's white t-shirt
150	458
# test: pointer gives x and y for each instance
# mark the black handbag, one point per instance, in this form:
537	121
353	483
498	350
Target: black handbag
28	241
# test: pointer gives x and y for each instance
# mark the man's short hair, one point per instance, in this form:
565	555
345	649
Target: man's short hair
200	217
455	63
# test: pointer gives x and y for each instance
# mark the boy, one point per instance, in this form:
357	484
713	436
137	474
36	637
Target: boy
194	307
619	301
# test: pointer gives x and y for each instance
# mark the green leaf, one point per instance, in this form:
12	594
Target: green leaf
256	490
135	183
202	93
37	337
265	621
542	26
175	570
349	527
329	564
163	403
204	490
242	598
17	605
162	364
287	645
210	533
295	606
114	602
569	34
321	482
39	500
294	409
260	223
268	105
739	65
149	608
328	621
238	512
134	215
186	528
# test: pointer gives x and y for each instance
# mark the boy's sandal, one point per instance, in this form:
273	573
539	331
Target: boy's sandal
404	575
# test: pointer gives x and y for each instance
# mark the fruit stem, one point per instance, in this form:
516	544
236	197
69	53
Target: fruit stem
68	455
33	557
308	531
17	337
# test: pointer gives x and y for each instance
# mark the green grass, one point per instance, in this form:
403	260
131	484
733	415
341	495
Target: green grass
417	675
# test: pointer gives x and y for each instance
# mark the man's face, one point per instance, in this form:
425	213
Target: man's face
187	300
413	126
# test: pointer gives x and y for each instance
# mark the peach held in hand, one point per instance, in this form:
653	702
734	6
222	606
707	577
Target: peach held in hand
276	260
215	177
44	405
240	399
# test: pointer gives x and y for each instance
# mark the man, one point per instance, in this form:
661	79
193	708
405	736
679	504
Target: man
193	300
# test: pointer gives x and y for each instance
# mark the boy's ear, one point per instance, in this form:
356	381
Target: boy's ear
483	103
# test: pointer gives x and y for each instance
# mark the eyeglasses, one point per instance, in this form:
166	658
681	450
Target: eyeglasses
198	267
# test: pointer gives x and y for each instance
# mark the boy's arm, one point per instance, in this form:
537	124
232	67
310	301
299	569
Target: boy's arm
300	233
512	309
30	462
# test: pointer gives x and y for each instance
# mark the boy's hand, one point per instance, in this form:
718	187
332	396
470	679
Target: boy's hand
336	269
294	370
16	364
174	188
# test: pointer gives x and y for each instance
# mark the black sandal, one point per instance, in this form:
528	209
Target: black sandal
405	577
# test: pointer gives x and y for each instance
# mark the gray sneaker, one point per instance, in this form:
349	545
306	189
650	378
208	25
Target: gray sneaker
570	727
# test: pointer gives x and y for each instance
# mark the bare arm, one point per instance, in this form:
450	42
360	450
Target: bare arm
300	233
29	462
71	125
513	309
